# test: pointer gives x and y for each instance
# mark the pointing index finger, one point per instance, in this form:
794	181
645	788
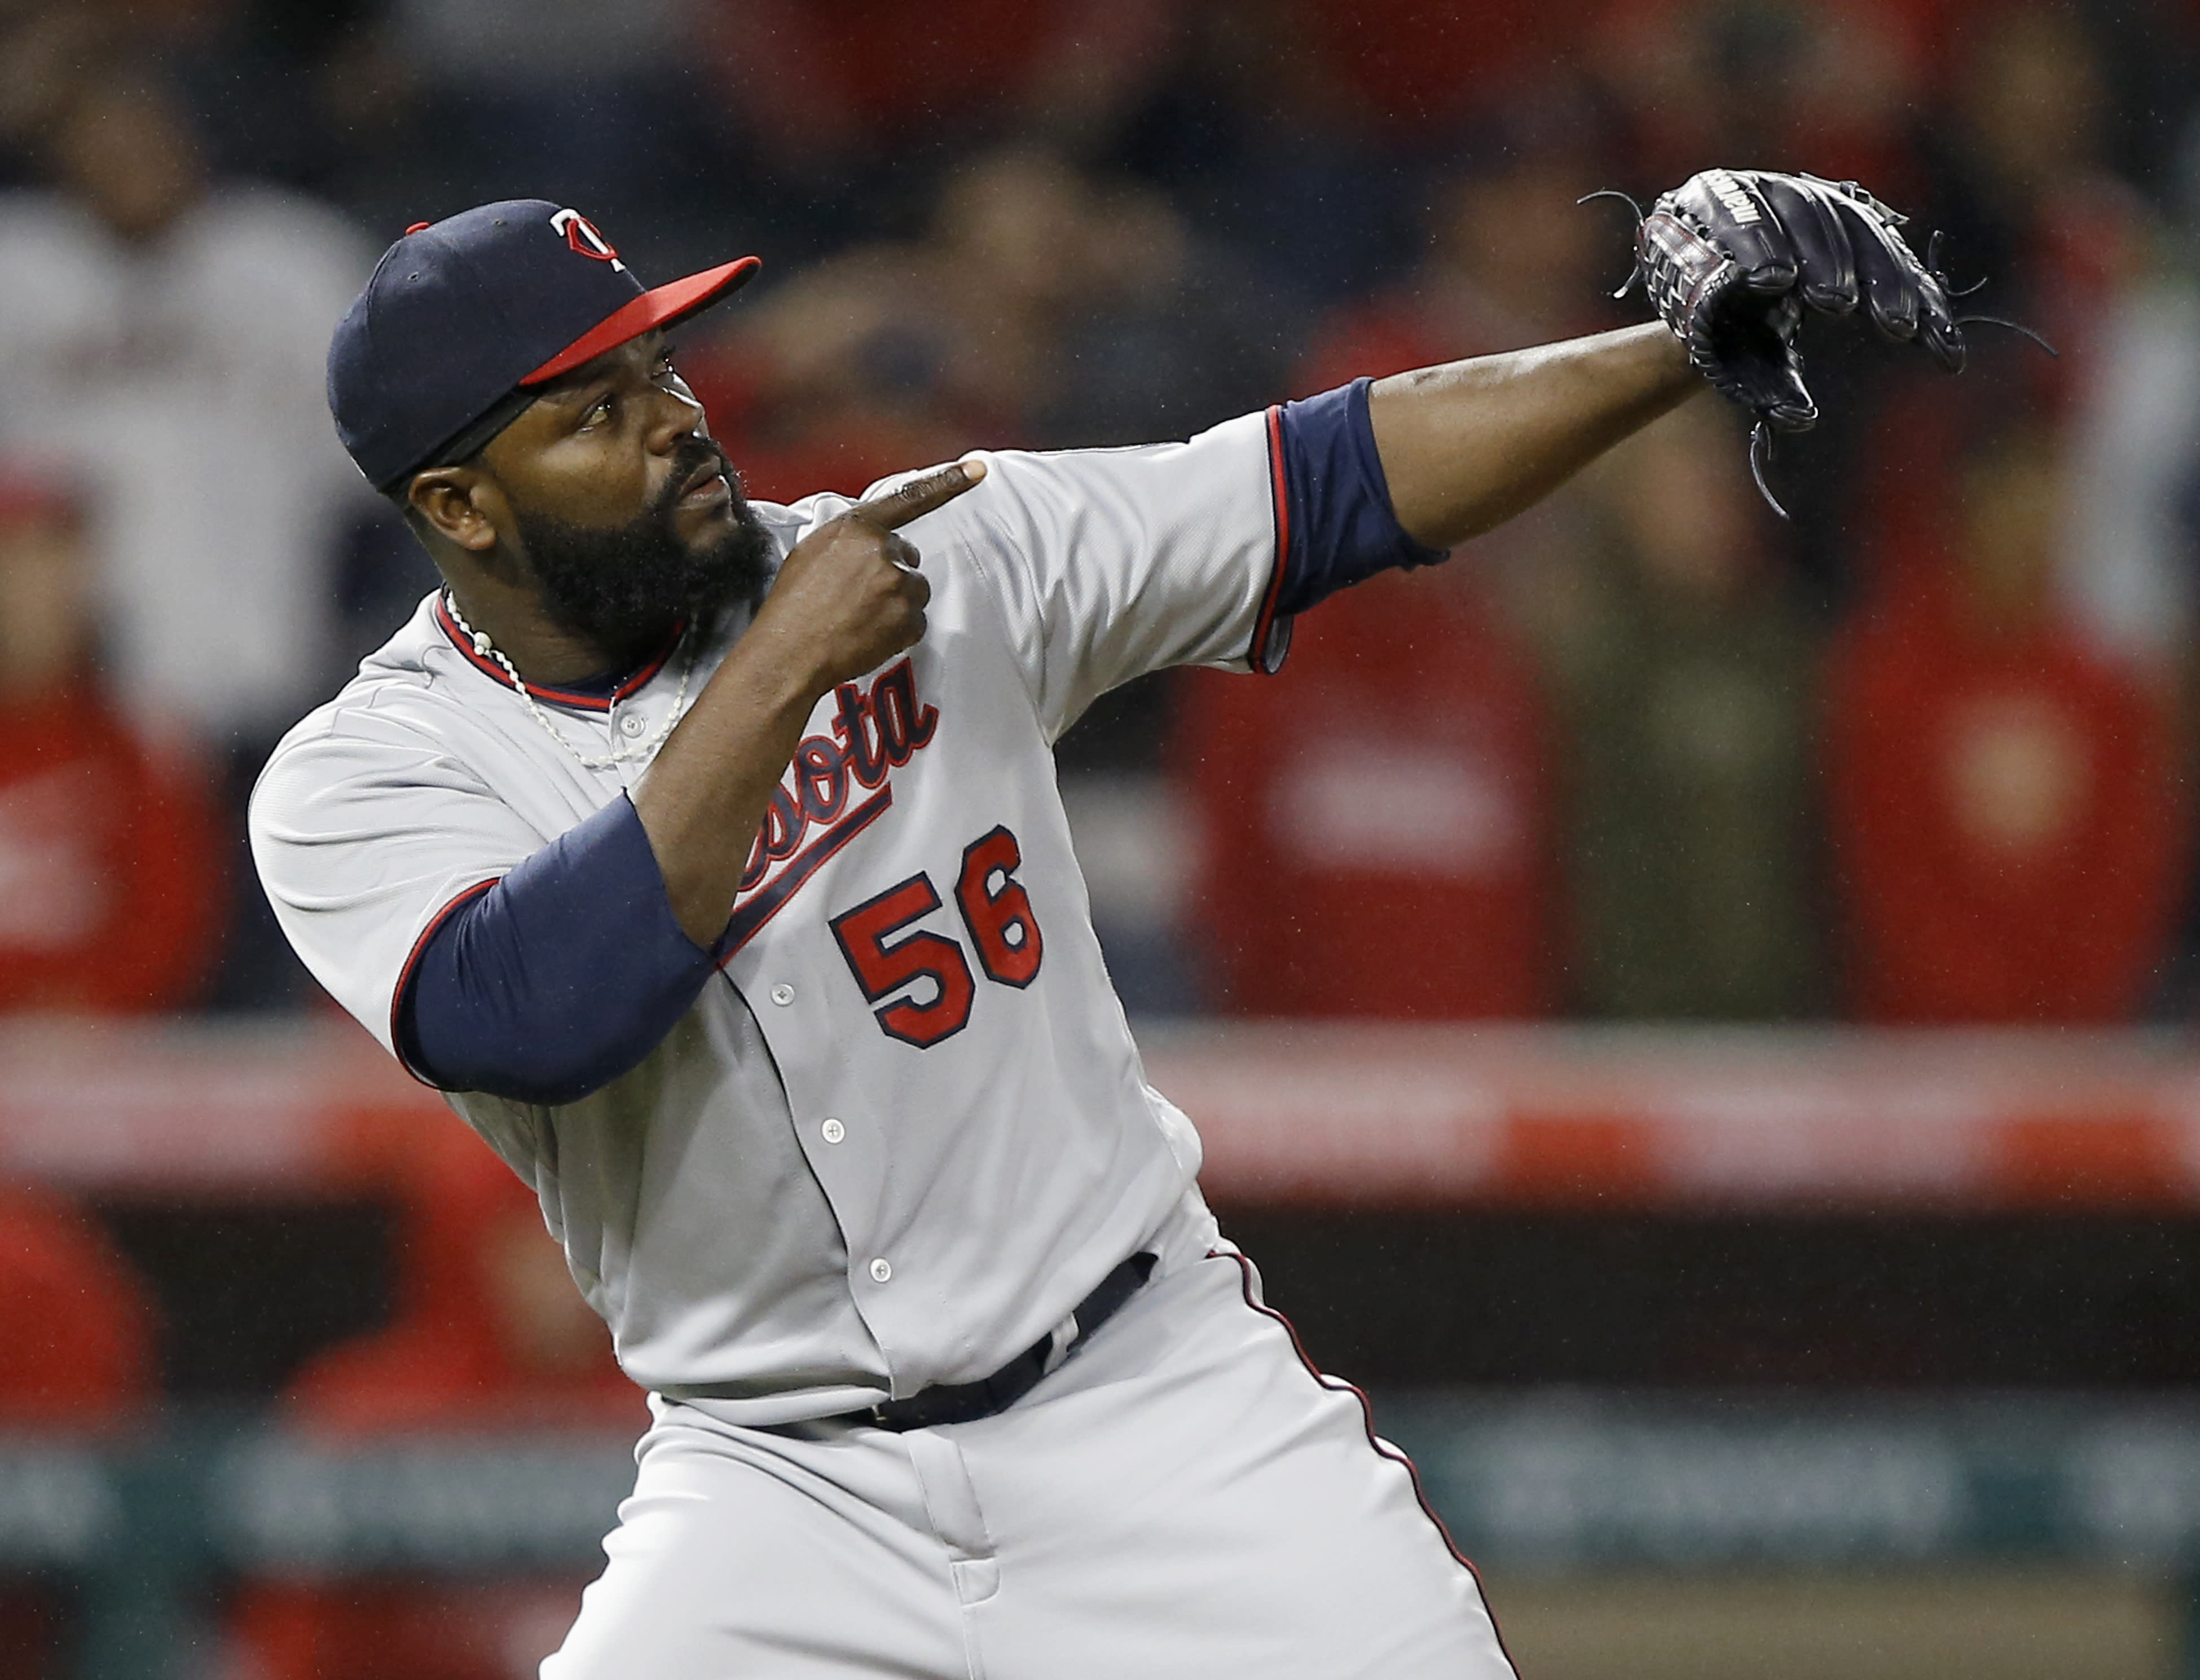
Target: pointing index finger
919	496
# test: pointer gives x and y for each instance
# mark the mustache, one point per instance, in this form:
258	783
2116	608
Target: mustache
692	454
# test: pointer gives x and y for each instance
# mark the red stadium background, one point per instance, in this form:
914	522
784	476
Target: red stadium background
1692	1010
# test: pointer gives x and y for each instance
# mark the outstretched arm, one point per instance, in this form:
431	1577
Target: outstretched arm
1468	445
1734	261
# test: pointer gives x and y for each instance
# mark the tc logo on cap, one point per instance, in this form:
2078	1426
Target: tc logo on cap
581	234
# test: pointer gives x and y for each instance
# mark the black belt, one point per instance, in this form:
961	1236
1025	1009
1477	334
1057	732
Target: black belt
966	1403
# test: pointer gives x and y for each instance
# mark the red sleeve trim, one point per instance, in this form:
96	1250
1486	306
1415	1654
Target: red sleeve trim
412	961
1383	1448
1264	627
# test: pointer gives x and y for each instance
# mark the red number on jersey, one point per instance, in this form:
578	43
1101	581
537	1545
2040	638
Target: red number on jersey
881	969
1001	924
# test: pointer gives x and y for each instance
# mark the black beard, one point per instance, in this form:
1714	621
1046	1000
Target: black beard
627	589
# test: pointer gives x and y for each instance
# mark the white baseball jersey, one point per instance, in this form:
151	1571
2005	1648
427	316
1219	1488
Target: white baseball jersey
905	1130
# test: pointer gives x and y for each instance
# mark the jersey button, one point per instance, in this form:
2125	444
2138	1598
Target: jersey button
782	995
632	724
834	1130
881	1271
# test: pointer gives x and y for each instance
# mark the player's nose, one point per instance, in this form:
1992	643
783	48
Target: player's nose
676	418
700	425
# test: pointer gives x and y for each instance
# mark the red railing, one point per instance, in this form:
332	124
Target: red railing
1290	1113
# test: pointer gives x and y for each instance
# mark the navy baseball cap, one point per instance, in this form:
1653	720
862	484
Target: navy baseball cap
463	318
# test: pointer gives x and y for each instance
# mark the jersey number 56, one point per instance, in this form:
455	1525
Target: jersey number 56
996	910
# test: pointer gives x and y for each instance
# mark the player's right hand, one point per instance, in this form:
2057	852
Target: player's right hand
850	593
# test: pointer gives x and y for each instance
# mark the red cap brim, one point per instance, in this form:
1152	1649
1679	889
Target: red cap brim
659	307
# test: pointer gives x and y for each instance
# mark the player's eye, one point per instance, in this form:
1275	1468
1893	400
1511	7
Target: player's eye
601	410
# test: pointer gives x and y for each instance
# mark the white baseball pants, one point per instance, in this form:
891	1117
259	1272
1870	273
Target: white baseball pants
1181	1500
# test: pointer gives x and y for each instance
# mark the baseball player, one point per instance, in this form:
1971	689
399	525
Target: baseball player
707	856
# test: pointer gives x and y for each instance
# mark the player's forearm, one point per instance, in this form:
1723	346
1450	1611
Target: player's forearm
847	597
703	798
1466	446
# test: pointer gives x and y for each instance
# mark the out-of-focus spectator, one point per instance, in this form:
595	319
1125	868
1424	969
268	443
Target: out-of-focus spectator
2025	203
2006	825
111	881
1512	261
533	45
489	1329
1419	70
2118	293
831	383
1174	332
1684	674
1086	312
1044	306
76	1355
490	1333
1005	255
2025	195
1374	828
1253	133
1826	86
824	89
2132	520
586	103
76	1335
44	44
164	336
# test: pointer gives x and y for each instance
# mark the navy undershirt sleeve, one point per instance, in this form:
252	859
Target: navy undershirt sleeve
1343	529
560	977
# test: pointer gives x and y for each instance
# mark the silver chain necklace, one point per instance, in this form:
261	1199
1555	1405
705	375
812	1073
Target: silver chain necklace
619	756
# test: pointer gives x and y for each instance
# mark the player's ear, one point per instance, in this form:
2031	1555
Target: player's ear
453	502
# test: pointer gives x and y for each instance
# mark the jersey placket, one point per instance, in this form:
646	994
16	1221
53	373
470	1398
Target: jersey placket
844	1139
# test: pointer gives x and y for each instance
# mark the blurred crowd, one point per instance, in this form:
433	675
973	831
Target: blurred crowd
484	1331
1919	756
1922	755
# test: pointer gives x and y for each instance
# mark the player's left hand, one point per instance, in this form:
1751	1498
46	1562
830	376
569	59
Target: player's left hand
1732	258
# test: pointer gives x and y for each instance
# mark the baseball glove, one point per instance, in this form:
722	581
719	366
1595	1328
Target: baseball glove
1733	260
